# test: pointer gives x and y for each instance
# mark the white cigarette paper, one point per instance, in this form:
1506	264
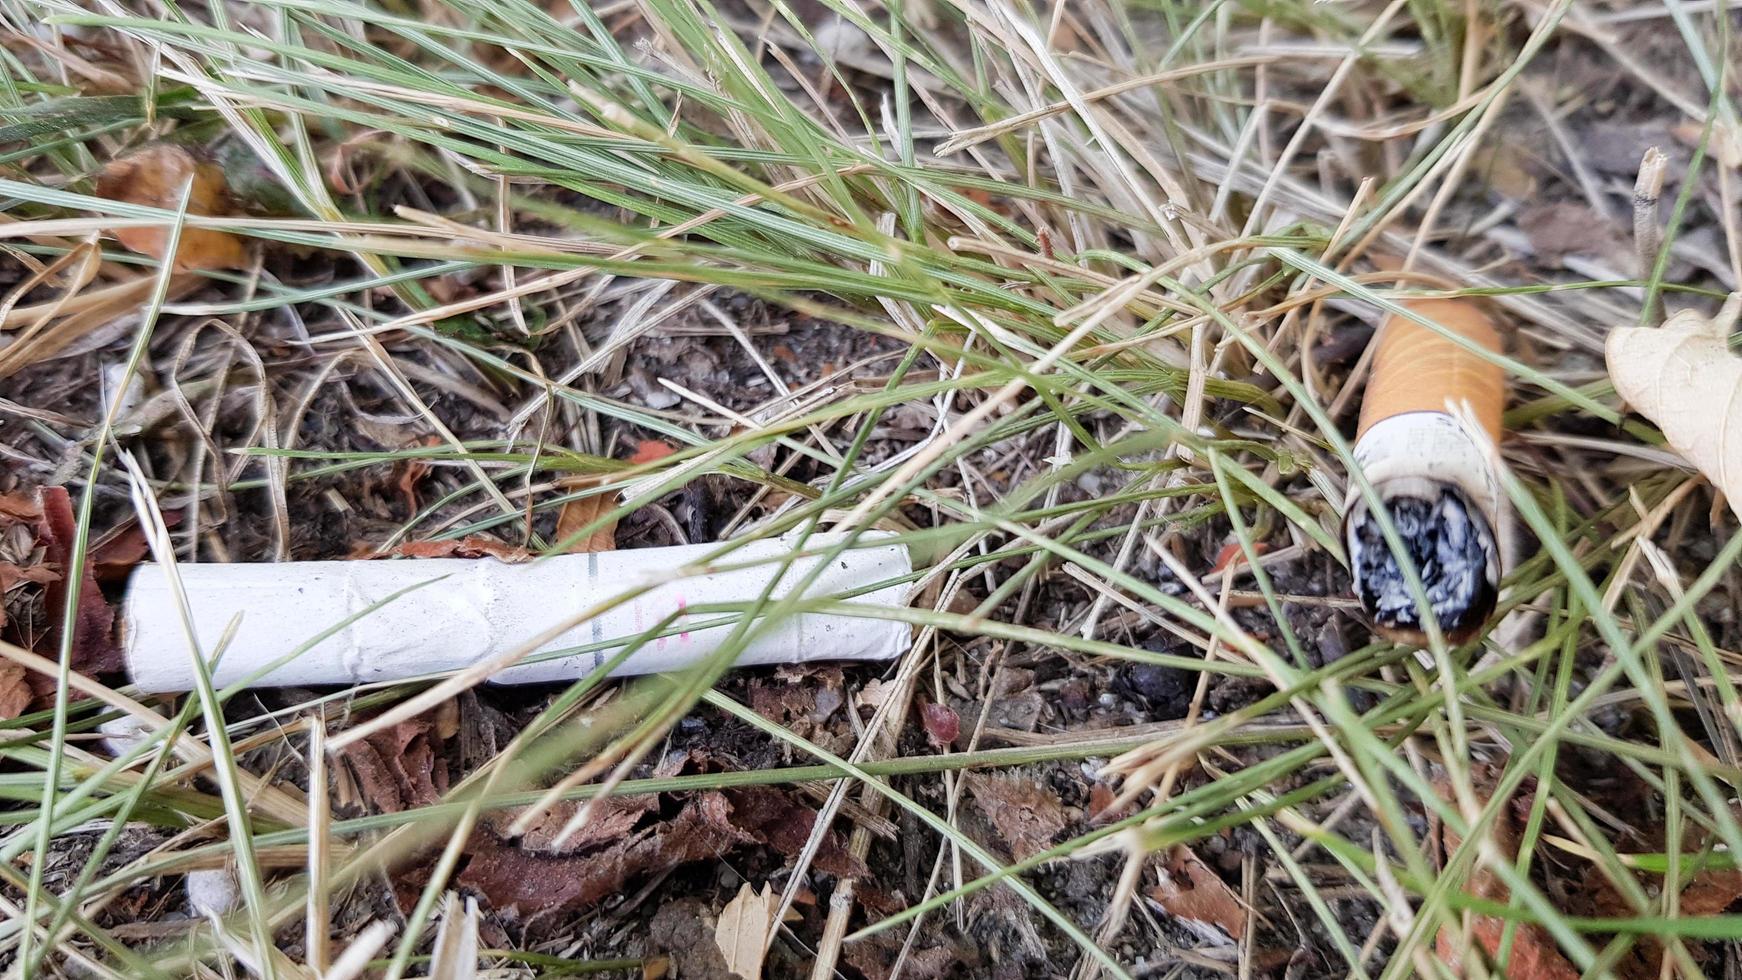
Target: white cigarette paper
460	612
1429	446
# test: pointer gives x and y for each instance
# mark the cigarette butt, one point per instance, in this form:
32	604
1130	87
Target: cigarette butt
1436	477
446	614
1417	370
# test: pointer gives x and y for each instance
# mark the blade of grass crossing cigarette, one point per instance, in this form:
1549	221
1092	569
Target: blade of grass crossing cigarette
1318	270
75	573
477	674
693	683
1329	431
244	683
224	766
532	757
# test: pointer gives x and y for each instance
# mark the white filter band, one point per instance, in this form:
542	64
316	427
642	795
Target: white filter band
460	612
1430	446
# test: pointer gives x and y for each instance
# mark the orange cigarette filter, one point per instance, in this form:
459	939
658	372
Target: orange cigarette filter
1418	370
1435	478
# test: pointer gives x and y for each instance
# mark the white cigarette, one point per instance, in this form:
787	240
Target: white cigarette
460	612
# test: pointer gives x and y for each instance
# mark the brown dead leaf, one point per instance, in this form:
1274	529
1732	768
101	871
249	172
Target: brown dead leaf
15	507
875	957
1566	228
1194	893
470	546
650	451
1534	955
114	554
12	575
532	886
1683	378
1711	893
1028	816
774	818
743	929
1231	553
155	177
15	692
1104	806
613	819
401	767
582	512
94	650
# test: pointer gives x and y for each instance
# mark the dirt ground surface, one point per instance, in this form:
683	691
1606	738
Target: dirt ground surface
1543	200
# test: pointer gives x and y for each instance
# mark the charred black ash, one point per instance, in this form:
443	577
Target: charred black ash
1449	545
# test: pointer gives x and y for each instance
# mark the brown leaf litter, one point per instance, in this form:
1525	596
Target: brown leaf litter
38	531
1026	815
470	546
533	879
1192	892
400	767
579	514
155	176
532	886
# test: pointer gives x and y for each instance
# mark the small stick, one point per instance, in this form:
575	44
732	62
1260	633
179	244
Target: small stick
319	921
1647	234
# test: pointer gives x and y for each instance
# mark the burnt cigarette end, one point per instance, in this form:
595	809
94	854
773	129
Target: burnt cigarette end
1452	547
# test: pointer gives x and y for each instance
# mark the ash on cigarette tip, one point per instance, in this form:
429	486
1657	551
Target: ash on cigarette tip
1448	544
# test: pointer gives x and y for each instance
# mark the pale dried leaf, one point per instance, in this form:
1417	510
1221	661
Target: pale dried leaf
873	695
455	956
1727	143
354	961
743	930
1683	378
